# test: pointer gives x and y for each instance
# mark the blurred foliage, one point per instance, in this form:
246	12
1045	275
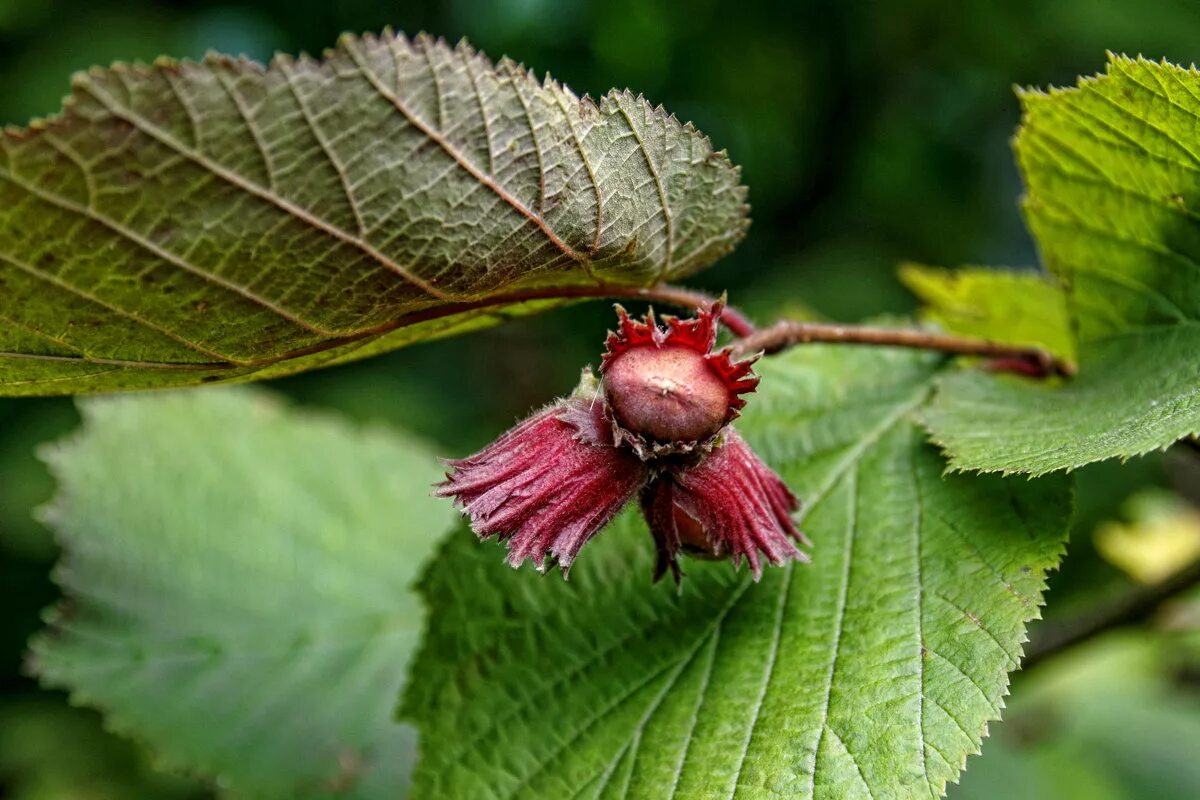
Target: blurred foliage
1161	536
263	586
870	134
1110	721
49	750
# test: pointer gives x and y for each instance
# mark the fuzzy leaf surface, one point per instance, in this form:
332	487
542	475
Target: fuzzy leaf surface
1112	171
871	673
196	222
237	580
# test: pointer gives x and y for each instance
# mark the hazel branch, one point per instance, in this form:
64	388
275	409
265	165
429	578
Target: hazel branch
777	337
787	333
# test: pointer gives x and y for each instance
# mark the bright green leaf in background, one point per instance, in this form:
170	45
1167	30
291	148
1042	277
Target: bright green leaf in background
1112	169
1021	308
237	579
872	672
1159	536
191	222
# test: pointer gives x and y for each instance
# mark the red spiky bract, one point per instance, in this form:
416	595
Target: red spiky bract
730	503
667	390
548	485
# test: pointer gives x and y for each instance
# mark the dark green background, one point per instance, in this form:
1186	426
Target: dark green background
869	133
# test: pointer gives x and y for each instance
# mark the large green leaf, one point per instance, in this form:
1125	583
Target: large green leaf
871	673
193	222
1112	169
237	587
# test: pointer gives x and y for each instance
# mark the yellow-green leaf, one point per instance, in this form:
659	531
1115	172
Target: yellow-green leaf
1022	308
1112	172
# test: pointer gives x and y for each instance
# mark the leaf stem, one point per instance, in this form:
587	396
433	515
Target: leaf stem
1131	609
786	333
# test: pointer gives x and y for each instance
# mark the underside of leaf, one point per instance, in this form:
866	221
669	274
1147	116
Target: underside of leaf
192	222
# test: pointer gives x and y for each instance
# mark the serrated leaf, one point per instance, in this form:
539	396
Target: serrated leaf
1022	308
872	672
237	587
193	222
1112	170
1138	742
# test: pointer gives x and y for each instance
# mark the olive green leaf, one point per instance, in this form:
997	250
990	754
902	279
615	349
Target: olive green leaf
237	581
193	222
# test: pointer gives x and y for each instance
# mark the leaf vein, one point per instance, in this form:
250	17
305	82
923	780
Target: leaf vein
587	164
839	621
627	695
139	122
827	728
453	152
918	546
991	704
326	148
537	146
978	622
145	244
251	127
467	58
162	331
691	731
785	587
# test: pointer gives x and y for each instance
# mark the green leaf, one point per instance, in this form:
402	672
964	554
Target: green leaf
50	750
193	222
236	579
872	672
1112	170
1020	308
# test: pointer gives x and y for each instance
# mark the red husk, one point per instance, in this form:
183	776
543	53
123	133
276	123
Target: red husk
548	485
661	427
731	500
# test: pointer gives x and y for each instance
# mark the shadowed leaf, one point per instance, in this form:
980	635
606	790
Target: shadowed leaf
193	222
237	587
1023	308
